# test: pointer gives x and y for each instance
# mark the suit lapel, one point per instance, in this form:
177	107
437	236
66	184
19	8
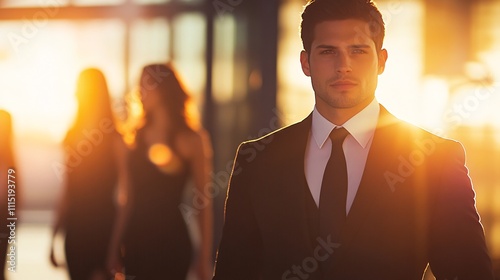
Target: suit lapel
383	152
296	181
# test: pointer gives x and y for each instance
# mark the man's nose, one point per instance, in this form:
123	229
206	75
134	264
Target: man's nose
343	63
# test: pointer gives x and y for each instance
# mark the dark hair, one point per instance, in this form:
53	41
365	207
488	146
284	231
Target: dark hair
317	11
94	104
173	95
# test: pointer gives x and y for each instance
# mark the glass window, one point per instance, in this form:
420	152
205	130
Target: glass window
149	43
33	3
479	93
486	36
295	97
223	67
399	86
189	38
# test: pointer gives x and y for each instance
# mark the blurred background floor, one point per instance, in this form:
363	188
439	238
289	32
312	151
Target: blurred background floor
33	238
33	241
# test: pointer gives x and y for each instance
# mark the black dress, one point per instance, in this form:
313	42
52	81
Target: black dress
90	187
157	242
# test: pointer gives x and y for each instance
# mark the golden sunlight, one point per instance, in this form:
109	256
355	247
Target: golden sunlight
163	157
41	100
160	154
40	93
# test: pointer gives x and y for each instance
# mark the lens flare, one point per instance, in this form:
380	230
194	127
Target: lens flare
164	158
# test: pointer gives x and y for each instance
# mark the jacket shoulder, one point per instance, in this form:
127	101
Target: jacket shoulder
421	138
278	143
298	129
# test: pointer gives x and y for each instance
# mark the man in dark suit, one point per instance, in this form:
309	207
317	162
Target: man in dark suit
381	201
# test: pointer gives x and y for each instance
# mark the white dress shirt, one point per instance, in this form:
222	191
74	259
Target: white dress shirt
361	128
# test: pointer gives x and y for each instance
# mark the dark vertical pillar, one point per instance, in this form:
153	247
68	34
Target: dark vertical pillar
208	103
268	15
249	113
209	110
262	54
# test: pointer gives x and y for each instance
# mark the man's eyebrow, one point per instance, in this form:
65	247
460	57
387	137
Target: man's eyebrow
355	46
326	47
360	46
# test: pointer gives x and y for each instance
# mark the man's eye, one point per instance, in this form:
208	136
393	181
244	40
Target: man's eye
358	51
328	52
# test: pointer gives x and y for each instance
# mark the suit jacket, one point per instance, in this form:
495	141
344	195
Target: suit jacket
415	206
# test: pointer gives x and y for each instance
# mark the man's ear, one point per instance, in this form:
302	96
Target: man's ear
304	61
382	59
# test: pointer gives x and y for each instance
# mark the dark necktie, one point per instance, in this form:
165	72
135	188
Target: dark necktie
332	202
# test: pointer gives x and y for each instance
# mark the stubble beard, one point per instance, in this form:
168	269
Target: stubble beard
345	99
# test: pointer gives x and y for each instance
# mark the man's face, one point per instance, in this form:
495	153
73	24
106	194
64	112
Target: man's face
344	65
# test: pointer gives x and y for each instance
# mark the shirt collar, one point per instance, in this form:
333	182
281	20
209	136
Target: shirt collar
361	126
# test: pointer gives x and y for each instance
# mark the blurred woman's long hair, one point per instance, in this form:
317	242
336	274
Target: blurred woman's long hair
174	97
94	104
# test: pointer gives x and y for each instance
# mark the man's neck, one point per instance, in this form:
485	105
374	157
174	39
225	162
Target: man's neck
339	116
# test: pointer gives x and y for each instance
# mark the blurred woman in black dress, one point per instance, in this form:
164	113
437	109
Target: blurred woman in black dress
170	148
87	208
6	164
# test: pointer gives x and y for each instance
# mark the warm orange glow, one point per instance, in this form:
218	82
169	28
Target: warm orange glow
44	98
160	154
164	158
295	97
192	115
120	276
255	80
40	93
134	118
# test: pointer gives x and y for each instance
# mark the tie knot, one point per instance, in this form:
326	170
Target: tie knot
338	135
